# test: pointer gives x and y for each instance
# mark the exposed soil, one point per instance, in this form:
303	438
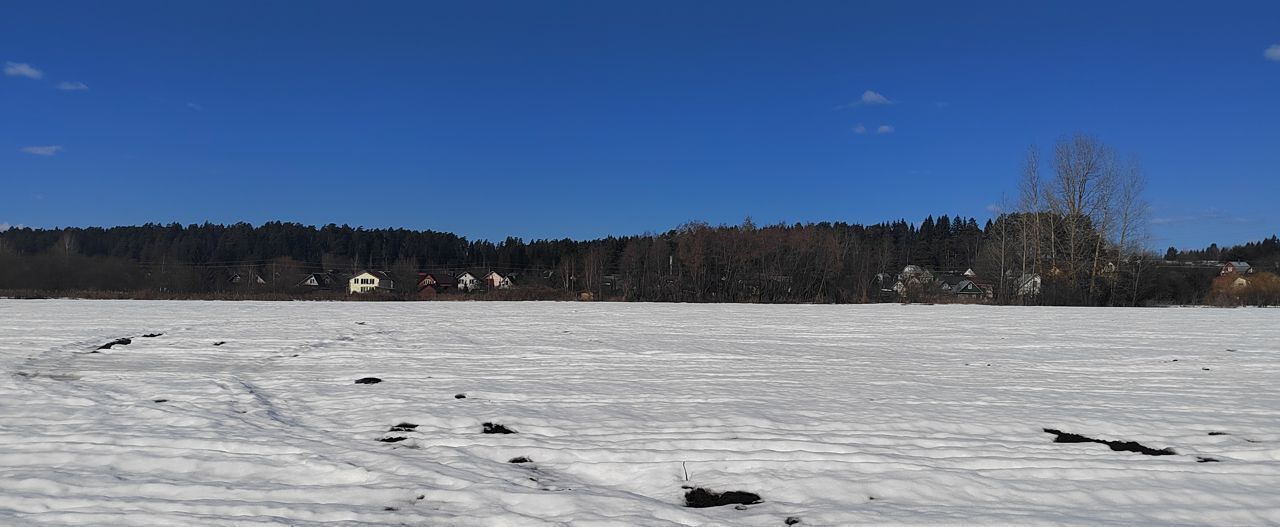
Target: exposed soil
495	428
702	498
1119	446
117	342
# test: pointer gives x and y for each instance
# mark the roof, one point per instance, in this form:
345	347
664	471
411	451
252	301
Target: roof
959	284
322	279
1240	267
439	278
376	274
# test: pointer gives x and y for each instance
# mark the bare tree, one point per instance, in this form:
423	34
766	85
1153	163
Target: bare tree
1130	234
1031	203
1095	213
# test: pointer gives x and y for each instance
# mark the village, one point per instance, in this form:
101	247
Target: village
913	284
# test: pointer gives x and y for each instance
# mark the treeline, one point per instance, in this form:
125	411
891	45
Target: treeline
822	262
697	262
1263	254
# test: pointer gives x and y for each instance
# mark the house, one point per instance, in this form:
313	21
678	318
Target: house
496	281
1027	285
319	281
370	281
468	282
988	288
960	285
436	281
1236	267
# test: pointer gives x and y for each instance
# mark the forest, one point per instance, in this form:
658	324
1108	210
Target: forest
1079	229
819	262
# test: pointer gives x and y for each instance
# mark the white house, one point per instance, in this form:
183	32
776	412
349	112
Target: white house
367	281
497	281
1028	285
468	282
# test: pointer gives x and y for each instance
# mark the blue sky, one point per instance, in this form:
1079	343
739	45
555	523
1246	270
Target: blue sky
583	119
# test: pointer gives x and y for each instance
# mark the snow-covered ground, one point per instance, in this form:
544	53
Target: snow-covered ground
834	415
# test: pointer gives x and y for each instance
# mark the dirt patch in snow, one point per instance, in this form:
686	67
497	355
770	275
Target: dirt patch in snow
368	380
123	341
1118	446
403	427
702	498
495	428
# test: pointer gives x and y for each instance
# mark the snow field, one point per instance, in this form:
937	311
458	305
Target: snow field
837	415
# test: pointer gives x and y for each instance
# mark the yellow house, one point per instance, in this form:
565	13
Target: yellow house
369	281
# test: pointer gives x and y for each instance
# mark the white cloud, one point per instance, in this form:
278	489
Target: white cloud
195	107
884	129
22	69
5	226
859	129
870	97
42	150
1272	53
73	86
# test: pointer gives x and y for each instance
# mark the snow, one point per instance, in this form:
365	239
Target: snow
837	415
